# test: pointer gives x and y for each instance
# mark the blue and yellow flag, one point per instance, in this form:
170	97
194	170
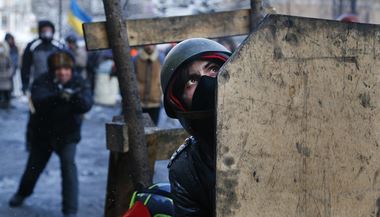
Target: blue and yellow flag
76	16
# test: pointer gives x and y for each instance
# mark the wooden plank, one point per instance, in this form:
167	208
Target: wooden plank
117	133
117	137
172	29
298	121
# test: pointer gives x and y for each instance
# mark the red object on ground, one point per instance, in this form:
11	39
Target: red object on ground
138	210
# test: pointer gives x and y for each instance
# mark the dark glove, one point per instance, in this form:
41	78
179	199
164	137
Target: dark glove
67	93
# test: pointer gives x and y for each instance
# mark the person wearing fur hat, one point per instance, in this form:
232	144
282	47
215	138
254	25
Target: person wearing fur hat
188	80
60	98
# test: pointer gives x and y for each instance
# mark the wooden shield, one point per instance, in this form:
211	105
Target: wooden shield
298	123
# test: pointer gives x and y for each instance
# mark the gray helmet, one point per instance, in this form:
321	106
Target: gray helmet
179	54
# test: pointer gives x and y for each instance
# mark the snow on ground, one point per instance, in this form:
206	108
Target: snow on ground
92	161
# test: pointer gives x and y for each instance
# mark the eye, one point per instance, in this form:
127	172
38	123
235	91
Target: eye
213	68
192	81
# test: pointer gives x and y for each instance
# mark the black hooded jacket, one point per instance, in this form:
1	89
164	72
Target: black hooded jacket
192	180
56	119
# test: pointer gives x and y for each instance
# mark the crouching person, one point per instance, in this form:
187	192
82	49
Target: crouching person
60	99
188	80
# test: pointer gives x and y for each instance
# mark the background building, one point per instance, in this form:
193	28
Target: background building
16	16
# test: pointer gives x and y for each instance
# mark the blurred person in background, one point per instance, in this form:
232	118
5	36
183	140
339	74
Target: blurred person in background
34	59
148	64
6	76
93	60
60	98
14	55
79	54
106	91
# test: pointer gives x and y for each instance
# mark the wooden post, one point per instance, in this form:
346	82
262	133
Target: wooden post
137	155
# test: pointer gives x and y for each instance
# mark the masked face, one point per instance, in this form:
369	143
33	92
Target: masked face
199	96
203	100
46	33
201	77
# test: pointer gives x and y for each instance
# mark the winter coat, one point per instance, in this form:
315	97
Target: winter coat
147	68
56	119
13	52
192	180
34	60
6	71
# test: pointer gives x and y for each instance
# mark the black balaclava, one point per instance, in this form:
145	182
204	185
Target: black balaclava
203	126
45	37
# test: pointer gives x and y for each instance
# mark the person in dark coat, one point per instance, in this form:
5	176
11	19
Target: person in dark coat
13	53
188	80
60	98
5	76
34	62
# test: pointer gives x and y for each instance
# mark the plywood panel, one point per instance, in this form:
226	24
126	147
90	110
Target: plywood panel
172	29
298	125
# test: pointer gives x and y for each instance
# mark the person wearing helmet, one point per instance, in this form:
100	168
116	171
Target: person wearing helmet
188	81
60	98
